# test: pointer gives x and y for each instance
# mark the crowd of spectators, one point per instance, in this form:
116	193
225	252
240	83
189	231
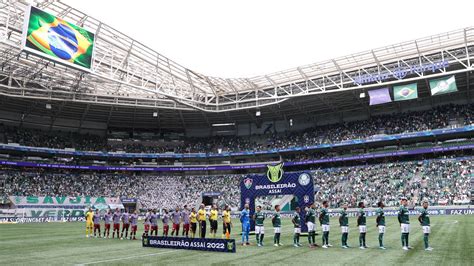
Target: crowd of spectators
438	117
397	123
170	192
441	181
52	139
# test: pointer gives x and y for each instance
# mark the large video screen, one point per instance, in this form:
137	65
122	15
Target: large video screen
54	38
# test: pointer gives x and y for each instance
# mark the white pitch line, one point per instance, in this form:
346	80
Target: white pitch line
453	222
126	258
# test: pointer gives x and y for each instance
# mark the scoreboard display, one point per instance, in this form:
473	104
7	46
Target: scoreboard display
52	37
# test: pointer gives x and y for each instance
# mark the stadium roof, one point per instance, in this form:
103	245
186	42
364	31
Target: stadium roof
129	75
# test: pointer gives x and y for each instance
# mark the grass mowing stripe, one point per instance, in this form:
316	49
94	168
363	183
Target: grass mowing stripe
127	258
65	244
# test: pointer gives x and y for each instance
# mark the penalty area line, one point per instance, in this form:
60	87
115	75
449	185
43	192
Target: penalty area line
127	258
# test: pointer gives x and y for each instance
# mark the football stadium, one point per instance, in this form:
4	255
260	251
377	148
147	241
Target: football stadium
111	153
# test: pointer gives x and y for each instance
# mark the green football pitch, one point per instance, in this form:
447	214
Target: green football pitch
452	238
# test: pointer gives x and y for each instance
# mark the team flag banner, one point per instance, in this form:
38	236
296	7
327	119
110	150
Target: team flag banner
379	96
49	201
52	37
204	244
60	207
443	85
405	92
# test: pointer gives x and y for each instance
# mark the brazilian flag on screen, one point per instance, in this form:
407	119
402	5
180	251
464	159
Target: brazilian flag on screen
405	92
443	85
59	39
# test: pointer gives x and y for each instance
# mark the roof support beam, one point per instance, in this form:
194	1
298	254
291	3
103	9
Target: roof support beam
84	114
144	73
182	119
109	116
54	115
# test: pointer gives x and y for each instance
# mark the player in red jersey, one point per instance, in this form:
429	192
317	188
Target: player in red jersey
176	218
107	221
147	223
185	216
116	219
165	219
125	223
96	220
133	222
154	222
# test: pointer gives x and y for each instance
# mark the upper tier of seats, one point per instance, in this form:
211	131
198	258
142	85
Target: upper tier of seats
439	117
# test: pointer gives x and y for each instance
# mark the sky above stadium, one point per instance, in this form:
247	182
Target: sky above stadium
248	37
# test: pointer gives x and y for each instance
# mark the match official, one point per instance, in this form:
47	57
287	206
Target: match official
227	222
213	220
202	221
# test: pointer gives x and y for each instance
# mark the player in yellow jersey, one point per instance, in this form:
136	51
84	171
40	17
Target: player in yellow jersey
89	223
193	221
202	221
227	222
213	220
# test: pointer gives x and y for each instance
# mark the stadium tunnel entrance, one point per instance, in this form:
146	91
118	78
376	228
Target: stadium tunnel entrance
210	198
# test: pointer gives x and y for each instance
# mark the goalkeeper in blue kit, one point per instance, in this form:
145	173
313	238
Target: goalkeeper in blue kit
245	220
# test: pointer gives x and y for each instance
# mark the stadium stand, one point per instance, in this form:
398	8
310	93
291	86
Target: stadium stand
441	181
438	117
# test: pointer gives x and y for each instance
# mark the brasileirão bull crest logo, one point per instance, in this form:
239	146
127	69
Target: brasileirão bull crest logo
230	246
275	172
